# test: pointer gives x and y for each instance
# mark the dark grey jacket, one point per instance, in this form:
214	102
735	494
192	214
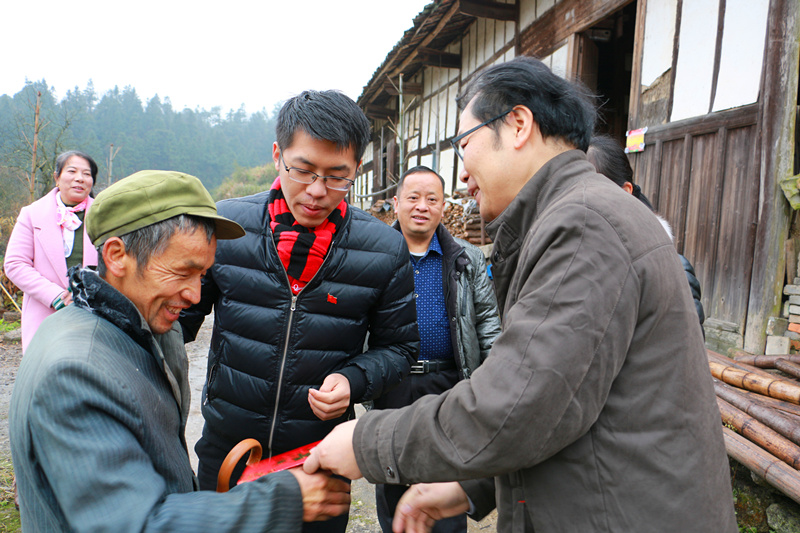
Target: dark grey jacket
595	410
97	431
270	347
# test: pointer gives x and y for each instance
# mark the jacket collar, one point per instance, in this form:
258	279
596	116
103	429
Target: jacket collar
94	294
50	233
91	292
451	250
508	230
549	182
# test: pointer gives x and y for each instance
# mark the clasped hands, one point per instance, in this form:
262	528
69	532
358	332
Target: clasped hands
420	506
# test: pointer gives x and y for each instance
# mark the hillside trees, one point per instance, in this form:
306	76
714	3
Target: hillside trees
148	134
34	129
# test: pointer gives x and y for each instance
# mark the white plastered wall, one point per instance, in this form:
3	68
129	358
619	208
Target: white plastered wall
659	39
742	53
694	70
530	10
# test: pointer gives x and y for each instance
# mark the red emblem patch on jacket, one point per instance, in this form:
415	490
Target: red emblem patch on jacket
331	298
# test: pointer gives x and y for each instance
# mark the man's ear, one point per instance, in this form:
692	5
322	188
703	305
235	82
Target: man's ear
276	153
525	126
394	199
114	256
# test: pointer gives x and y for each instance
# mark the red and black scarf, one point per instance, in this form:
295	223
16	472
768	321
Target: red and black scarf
301	250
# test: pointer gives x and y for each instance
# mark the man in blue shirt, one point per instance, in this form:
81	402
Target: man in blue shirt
456	311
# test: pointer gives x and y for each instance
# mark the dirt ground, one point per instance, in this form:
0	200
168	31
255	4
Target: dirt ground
362	510
10	356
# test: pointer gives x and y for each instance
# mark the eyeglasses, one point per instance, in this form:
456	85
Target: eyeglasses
306	177
456	141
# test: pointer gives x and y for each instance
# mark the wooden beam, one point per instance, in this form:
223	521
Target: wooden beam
777	101
636	74
379	112
436	58
564	19
731	119
391	86
674	68
394	71
488	10
427	40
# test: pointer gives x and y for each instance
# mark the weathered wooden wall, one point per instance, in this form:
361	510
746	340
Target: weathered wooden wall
703	179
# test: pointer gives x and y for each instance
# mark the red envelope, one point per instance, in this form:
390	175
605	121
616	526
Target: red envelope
255	466
280	462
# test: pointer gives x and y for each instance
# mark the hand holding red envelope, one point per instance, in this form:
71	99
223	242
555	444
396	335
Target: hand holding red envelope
255	466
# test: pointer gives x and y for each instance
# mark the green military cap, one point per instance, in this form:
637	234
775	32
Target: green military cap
152	196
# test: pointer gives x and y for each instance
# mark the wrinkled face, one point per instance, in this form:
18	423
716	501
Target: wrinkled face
170	282
311	204
420	204
484	166
75	181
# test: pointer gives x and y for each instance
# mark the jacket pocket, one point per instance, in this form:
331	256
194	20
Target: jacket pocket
212	374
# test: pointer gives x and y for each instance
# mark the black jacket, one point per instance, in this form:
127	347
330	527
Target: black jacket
269	347
694	284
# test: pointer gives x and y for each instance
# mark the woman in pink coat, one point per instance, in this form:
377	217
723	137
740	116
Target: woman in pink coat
48	238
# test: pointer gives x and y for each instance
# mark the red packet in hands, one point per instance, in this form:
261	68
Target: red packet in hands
283	461
255	466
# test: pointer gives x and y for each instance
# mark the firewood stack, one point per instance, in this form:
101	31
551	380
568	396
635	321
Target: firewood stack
759	402
383	211
463	220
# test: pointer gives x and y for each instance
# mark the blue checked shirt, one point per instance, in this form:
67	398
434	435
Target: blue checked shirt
434	328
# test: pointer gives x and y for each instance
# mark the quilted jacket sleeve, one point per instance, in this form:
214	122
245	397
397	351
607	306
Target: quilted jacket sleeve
393	343
487	317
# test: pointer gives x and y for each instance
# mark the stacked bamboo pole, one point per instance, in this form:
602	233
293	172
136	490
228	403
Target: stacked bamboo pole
761	412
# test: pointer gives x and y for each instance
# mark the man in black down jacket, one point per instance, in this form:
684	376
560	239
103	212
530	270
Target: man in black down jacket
295	298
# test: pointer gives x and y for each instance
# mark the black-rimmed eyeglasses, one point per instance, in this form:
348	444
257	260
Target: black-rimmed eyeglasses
306	177
456	141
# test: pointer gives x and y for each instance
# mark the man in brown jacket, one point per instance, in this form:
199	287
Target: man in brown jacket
595	409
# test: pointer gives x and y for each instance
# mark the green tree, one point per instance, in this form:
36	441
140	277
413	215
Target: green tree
36	132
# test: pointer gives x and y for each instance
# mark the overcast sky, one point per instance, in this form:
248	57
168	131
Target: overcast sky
201	53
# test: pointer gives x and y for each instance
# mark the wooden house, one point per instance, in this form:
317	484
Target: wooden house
713	81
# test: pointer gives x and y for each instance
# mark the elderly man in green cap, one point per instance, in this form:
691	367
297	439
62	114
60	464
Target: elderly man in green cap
101	399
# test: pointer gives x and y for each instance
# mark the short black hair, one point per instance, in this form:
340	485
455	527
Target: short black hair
562	109
326	116
418	170
610	160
